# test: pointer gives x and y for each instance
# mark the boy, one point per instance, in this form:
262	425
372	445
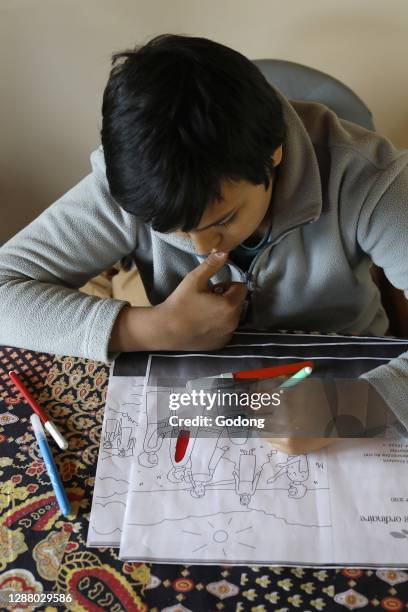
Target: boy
203	160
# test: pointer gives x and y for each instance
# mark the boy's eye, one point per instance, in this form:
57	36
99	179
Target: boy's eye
227	222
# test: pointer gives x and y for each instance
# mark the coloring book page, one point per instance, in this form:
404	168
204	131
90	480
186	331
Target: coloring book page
230	501
233	499
346	505
123	410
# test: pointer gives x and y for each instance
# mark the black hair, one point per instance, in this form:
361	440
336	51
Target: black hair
181	114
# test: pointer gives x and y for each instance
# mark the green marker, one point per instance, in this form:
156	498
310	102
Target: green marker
296	378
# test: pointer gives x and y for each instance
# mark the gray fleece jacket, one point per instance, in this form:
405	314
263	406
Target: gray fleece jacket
339	203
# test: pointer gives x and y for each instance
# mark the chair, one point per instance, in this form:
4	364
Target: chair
299	82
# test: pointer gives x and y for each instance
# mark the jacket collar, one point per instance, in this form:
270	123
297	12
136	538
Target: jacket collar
297	194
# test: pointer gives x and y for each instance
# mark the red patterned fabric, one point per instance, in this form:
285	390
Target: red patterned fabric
41	551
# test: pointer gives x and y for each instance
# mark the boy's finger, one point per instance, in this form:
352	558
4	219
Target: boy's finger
236	292
210	266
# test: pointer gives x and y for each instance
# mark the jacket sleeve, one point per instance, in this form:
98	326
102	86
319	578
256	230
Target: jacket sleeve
382	232
42	267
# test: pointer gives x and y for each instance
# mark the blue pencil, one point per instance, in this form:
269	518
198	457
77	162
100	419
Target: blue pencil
52	471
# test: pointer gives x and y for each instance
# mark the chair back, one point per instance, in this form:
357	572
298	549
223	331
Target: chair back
299	82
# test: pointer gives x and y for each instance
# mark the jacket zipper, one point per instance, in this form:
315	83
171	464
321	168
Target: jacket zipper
249	274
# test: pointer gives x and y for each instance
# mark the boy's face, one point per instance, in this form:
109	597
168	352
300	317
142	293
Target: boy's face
225	224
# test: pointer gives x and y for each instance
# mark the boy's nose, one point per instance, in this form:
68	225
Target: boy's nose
204	243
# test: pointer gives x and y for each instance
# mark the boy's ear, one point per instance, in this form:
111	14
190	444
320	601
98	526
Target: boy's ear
277	156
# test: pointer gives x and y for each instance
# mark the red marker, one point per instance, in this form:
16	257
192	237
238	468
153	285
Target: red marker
280	370
181	445
49	426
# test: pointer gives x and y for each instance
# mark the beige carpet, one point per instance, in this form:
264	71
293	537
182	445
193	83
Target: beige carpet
121	285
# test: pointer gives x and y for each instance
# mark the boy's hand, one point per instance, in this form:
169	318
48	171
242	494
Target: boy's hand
194	317
301	416
315	408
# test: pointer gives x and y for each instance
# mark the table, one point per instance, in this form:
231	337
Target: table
40	551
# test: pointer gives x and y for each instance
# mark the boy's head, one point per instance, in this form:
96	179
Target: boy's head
191	133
